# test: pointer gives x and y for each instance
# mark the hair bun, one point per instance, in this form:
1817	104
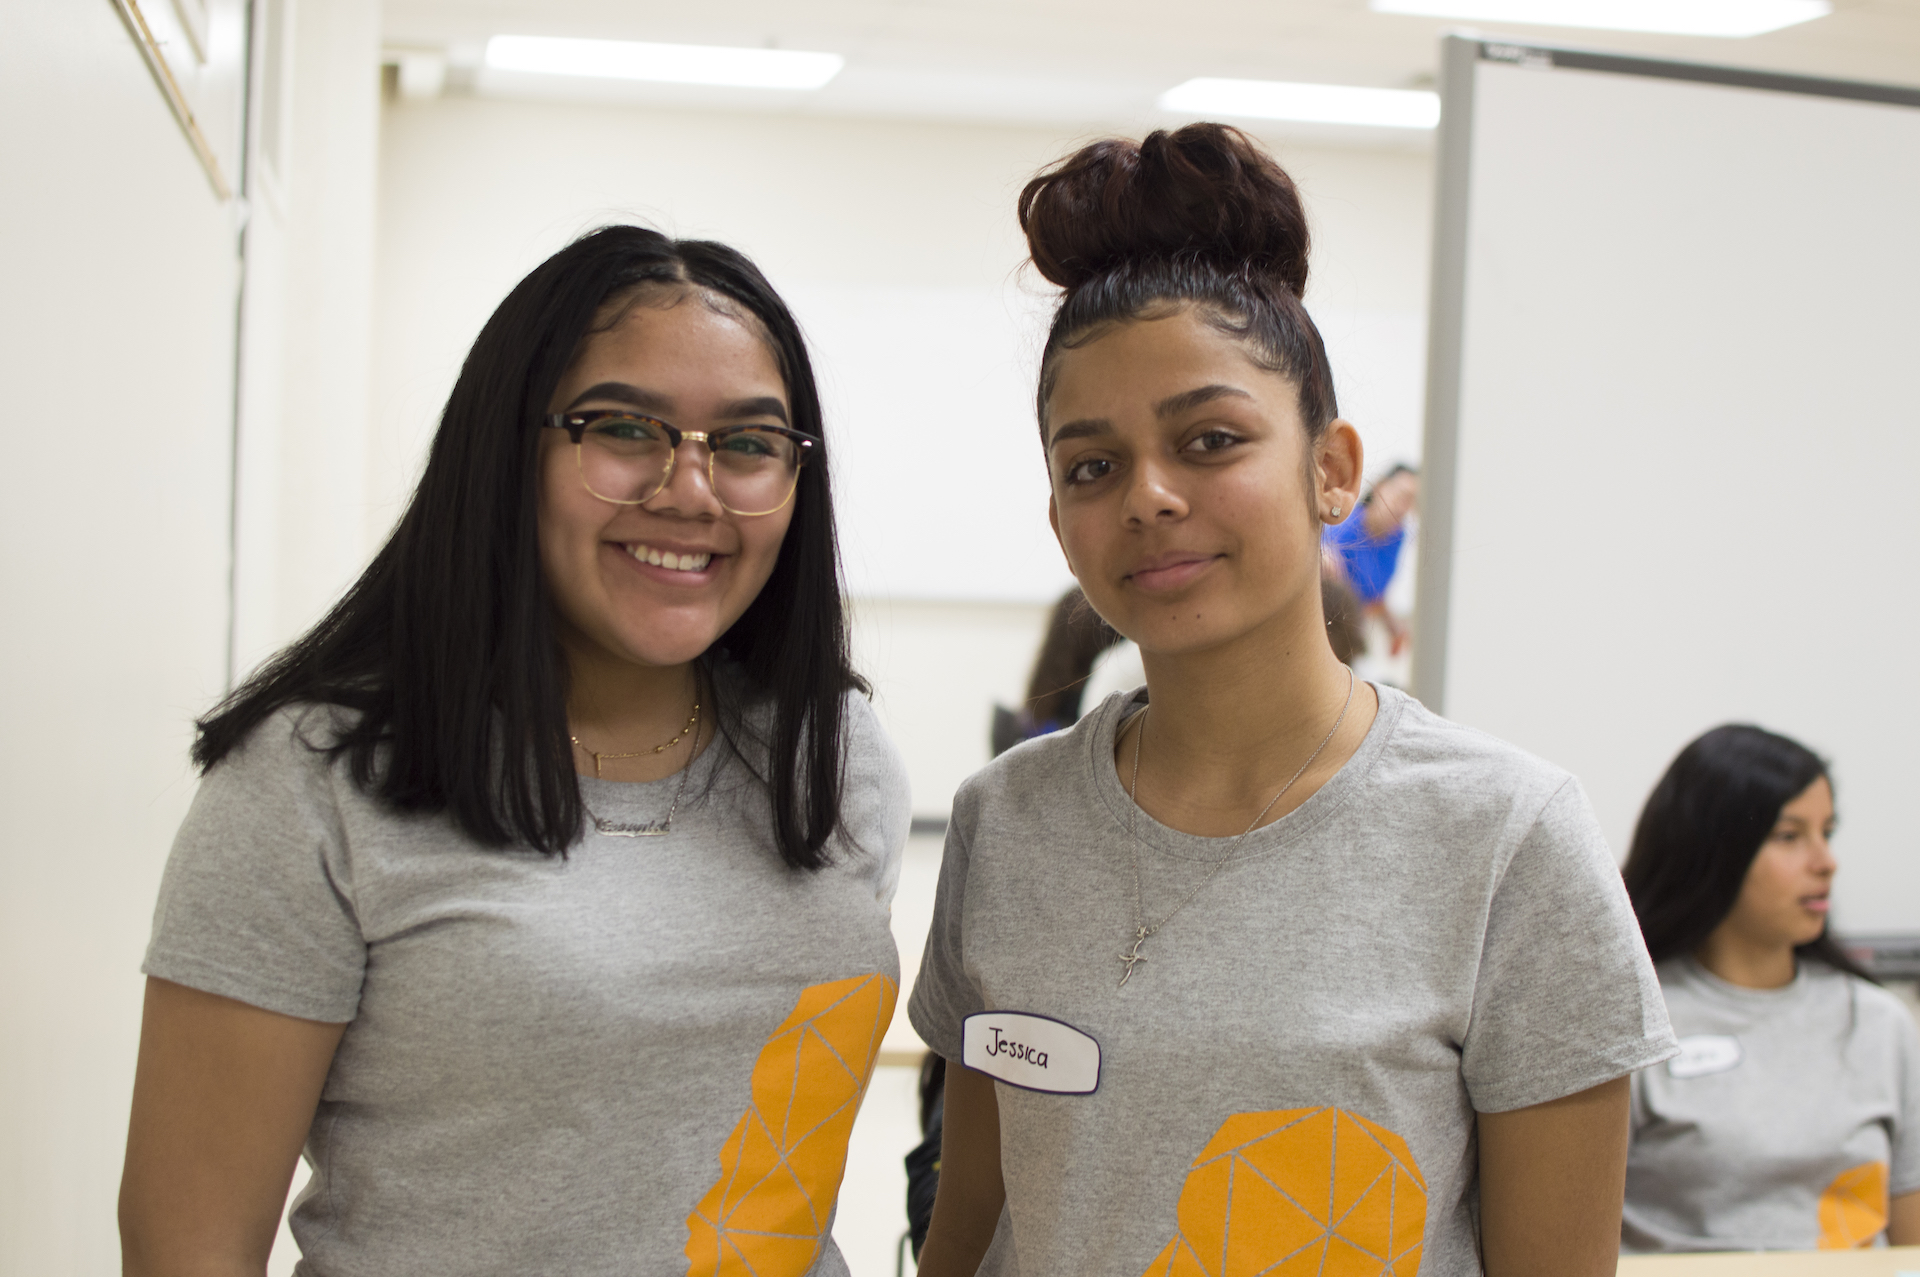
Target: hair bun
1204	192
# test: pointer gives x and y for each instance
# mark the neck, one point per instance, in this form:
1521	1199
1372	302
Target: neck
1742	960
616	706
1229	726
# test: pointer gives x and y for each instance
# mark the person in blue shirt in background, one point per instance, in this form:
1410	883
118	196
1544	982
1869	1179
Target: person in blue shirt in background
1365	546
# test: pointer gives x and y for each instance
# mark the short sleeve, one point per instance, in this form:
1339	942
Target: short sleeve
1565	998
876	801
1904	1175
256	902
944	995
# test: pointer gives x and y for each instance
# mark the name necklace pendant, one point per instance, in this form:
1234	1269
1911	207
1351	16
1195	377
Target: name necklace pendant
1145	930
652	828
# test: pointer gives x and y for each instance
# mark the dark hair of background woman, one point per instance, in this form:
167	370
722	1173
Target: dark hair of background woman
1200	216
1702	827
446	647
1076	636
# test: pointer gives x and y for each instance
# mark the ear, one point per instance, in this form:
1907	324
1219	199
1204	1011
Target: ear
1339	460
1053	521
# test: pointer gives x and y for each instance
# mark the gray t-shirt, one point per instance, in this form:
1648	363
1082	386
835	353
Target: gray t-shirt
642	1058
1786	1121
1294	1071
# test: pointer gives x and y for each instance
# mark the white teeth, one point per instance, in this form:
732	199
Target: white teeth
668	559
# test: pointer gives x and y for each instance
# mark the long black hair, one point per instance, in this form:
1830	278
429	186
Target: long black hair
445	647
1701	828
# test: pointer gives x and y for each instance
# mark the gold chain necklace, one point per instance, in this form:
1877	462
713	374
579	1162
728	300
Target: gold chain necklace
652	828
1145	930
640	753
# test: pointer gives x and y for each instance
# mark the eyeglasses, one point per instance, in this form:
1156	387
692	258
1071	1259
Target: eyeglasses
627	459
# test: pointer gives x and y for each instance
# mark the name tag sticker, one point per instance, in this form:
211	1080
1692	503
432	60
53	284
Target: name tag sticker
1704	1053
1032	1052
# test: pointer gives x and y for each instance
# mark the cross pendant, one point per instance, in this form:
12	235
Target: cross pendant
1135	957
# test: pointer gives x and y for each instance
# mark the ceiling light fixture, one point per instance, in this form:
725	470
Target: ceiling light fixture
1665	17
1307	103
664	63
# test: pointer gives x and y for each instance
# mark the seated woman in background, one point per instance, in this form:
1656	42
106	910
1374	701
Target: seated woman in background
542	888
1788	1120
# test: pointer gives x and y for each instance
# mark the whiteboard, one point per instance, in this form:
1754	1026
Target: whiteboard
1673	424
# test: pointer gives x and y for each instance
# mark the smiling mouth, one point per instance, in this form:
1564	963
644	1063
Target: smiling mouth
668	559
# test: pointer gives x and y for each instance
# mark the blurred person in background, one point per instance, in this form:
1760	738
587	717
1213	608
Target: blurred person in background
1790	1119
1076	638
511	888
1365	546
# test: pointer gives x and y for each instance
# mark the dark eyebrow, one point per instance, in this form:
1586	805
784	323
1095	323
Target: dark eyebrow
1083	428
652	401
764	406
1171	406
621	392
1186	400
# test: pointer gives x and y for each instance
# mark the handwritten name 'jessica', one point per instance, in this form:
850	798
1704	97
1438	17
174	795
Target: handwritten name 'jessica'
1001	1045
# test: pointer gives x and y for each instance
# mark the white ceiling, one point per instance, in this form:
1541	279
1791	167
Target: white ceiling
1088	62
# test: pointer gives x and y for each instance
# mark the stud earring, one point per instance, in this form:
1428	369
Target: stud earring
1335	514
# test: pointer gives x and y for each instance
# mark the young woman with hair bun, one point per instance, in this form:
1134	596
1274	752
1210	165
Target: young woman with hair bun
1257	968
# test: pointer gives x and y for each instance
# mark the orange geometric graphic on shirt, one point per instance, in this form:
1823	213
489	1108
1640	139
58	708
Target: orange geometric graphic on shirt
1299	1191
1853	1210
780	1170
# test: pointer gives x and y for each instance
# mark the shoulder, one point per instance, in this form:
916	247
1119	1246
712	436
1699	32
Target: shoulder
301	740
1044	770
876	796
1463	767
872	756
1873	1004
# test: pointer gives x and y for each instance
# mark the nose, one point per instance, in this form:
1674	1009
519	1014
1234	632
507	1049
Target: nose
1823	862
1152	495
689	488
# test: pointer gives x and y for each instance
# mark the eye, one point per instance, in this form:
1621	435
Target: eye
750	443
1090	470
1213	439
627	429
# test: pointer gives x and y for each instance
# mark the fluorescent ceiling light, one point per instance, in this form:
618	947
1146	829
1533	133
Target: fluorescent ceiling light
1311	103
666	63
1667	17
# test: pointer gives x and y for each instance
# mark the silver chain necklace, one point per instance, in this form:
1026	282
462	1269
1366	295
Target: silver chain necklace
652	828
1145	930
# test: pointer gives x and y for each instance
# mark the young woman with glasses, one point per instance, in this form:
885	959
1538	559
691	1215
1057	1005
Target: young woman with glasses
1259	969
1790	1120
541	890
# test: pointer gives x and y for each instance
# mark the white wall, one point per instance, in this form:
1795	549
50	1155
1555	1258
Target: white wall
118	331
307	343
116	344
896	245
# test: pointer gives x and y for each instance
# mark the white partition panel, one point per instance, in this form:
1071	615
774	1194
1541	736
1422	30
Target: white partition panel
1672	424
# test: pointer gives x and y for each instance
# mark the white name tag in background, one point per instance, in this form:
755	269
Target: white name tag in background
1031	1051
1704	1053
